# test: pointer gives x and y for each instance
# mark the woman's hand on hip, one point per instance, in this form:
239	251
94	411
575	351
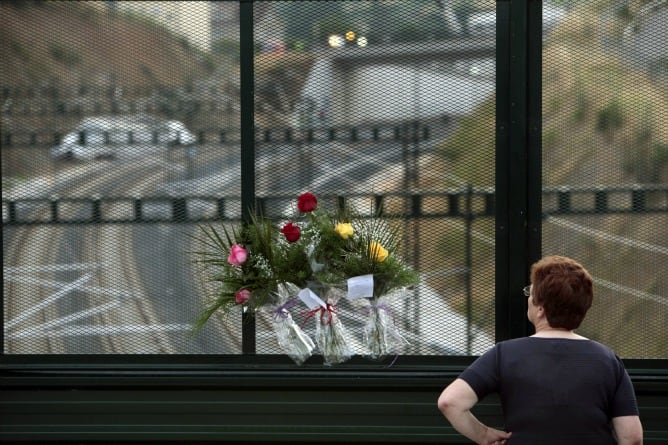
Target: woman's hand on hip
495	437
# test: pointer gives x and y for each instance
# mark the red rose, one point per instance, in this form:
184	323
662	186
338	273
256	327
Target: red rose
307	202
291	231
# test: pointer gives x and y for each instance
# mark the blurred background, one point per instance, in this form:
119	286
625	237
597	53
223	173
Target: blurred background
121	135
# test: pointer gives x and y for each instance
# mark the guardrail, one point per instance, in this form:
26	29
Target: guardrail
414	131
92	91
468	202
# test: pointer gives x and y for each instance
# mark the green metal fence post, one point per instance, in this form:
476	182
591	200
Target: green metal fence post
247	104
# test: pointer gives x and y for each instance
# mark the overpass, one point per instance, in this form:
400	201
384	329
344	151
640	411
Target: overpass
396	82
420	52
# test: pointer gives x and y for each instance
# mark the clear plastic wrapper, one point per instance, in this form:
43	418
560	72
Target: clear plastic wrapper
382	336
291	338
331	336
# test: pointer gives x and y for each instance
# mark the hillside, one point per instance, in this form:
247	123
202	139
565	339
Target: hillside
70	43
604	124
66	60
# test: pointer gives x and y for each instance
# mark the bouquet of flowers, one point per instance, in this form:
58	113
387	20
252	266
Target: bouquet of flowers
345	247
323	245
364	253
251	262
331	337
291	338
316	259
258	267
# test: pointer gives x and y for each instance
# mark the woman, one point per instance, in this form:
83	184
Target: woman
556	387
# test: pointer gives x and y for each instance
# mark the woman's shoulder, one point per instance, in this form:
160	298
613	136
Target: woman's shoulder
527	344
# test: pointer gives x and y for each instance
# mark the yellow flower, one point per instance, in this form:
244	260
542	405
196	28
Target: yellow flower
345	230
377	252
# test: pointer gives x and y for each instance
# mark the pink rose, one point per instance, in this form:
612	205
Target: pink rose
242	296
238	255
307	202
291	231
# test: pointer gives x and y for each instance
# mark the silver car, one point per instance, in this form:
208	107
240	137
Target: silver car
121	136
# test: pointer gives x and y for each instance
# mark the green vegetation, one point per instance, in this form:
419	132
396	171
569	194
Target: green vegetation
63	44
603	124
610	117
66	55
471	149
603	121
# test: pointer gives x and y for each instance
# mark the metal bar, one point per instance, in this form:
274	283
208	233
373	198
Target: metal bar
489	204
137	205
179	210
341	202
517	167
453	204
247	105
54	210
534	137
379	208
247	118
599	205
564	201
469	268
11	211
220	208
502	181
638	200
96	213
601	201
518	150
416	205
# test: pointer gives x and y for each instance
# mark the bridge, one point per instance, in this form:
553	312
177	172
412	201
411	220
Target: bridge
448	50
396	82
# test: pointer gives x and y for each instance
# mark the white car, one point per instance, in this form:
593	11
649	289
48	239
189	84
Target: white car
113	136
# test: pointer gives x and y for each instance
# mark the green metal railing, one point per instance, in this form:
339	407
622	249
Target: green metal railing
470	202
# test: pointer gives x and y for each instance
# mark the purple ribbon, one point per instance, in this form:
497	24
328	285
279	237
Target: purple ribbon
282	311
387	308
378	307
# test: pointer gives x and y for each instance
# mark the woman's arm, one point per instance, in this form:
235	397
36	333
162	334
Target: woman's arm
628	430
455	403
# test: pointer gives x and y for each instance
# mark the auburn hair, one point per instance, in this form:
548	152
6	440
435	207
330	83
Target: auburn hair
564	288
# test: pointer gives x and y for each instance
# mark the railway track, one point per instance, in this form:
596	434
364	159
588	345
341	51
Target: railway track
76	289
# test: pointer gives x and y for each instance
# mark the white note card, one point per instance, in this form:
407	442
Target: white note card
360	286
310	299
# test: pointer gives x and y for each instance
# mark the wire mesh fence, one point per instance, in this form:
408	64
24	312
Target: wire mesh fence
377	102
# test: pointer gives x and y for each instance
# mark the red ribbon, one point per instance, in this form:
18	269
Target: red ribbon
328	312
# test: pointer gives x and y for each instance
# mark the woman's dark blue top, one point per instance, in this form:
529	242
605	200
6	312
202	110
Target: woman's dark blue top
555	391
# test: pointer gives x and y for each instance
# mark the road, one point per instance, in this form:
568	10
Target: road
133	288
74	289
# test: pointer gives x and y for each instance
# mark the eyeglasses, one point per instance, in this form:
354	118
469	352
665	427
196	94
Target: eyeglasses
527	290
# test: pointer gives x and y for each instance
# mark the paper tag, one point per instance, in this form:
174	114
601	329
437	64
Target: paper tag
360	286
310	299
